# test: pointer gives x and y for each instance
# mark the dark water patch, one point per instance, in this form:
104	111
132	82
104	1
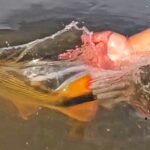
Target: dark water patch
37	19
115	129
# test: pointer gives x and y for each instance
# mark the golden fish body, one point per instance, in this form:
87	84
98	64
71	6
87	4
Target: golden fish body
30	86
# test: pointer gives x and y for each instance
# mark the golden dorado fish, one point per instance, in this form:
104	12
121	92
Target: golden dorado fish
62	86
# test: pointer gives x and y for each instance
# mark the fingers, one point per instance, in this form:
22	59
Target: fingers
111	90
98	88
110	103
108	95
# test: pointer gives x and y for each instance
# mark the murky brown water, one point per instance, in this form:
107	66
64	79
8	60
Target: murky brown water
110	130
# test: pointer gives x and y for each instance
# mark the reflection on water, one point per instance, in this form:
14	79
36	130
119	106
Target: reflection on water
29	17
117	129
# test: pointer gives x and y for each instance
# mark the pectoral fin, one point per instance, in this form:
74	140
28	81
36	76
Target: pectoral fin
25	110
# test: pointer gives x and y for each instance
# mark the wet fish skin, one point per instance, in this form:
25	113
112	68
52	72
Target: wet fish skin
28	94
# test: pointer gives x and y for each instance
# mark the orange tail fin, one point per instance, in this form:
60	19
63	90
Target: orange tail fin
82	112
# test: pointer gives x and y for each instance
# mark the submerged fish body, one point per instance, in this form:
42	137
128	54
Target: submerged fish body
129	84
63	86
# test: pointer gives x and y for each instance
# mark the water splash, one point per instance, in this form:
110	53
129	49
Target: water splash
26	48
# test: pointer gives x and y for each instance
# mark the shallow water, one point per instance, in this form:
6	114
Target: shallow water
118	129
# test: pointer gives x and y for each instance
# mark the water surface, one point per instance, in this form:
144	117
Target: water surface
22	21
